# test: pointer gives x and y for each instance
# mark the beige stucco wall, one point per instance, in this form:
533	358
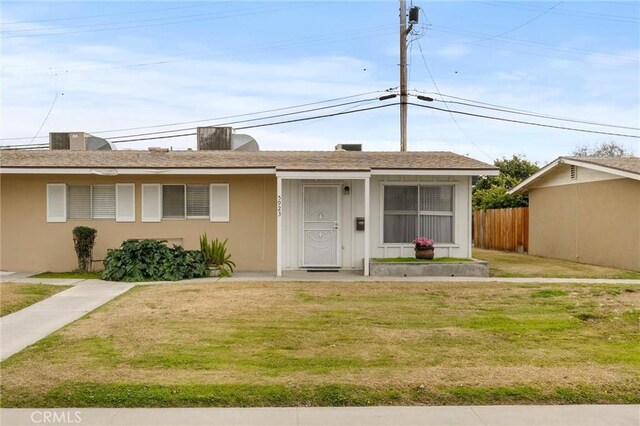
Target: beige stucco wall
28	242
597	222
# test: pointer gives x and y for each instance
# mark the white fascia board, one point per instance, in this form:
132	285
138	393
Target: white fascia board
323	175
436	172
121	172
521	187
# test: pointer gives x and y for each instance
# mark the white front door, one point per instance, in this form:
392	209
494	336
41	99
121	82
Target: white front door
320	233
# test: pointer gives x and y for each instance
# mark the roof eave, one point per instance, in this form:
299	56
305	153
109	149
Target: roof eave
524	186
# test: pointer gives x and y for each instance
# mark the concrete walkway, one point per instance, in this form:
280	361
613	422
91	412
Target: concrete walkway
509	415
342	276
25	327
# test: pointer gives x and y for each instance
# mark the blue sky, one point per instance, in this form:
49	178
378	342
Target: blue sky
100	66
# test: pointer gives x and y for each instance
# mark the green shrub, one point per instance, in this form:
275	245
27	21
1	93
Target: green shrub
83	240
215	255
152	260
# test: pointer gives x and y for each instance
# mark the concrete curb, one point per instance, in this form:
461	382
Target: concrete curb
336	277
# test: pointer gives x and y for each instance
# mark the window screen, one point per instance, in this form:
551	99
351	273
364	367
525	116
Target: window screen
173	201
198	201
104	202
79	199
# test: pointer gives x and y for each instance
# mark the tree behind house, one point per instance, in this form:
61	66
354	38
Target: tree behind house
490	192
604	149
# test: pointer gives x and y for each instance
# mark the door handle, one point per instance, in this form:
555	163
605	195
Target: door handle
335	225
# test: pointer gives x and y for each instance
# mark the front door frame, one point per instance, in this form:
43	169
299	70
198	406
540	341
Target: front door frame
281	175
338	188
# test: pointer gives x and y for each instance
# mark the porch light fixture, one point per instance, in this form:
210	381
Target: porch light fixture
346	190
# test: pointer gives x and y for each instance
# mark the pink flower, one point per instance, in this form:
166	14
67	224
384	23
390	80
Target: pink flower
423	242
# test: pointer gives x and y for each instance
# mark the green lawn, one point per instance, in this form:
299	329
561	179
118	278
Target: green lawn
507	265
413	259
96	275
319	343
14	297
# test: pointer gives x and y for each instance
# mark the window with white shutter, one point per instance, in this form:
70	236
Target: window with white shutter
79	200
151	202
219	198
125	202
103	201
56	202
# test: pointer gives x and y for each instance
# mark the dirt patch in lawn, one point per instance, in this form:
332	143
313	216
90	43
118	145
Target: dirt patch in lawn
222	344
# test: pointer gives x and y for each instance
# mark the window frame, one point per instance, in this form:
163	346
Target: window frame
419	212
186	201
91	201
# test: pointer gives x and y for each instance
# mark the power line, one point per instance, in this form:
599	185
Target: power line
292	43
69	18
524	24
118	27
98	132
526	43
525	122
360	101
296	120
424	60
581	14
494	107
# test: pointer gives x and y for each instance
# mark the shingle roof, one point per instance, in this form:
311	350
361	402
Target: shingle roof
280	160
626	167
627	164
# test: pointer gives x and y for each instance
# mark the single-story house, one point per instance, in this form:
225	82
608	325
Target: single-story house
280	210
586	209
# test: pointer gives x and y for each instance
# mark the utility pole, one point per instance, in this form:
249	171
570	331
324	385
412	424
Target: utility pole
403	76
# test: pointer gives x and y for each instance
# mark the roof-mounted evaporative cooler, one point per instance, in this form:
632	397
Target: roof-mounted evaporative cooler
78	141
223	139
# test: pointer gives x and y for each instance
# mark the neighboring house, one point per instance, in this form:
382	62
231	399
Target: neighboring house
586	209
280	210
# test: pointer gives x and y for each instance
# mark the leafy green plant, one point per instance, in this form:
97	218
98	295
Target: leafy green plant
83	241
215	255
152	260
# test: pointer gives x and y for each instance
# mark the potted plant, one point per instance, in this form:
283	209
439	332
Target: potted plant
215	255
423	247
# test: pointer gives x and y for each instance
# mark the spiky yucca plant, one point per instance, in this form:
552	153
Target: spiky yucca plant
215	254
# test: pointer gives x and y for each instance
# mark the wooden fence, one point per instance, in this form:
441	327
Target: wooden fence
502	229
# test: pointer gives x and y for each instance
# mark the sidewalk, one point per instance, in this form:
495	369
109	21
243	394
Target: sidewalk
26	326
506	415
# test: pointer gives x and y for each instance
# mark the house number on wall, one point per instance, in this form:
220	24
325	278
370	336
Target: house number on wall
279	205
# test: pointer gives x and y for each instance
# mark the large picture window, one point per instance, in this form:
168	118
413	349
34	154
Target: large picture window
411	211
